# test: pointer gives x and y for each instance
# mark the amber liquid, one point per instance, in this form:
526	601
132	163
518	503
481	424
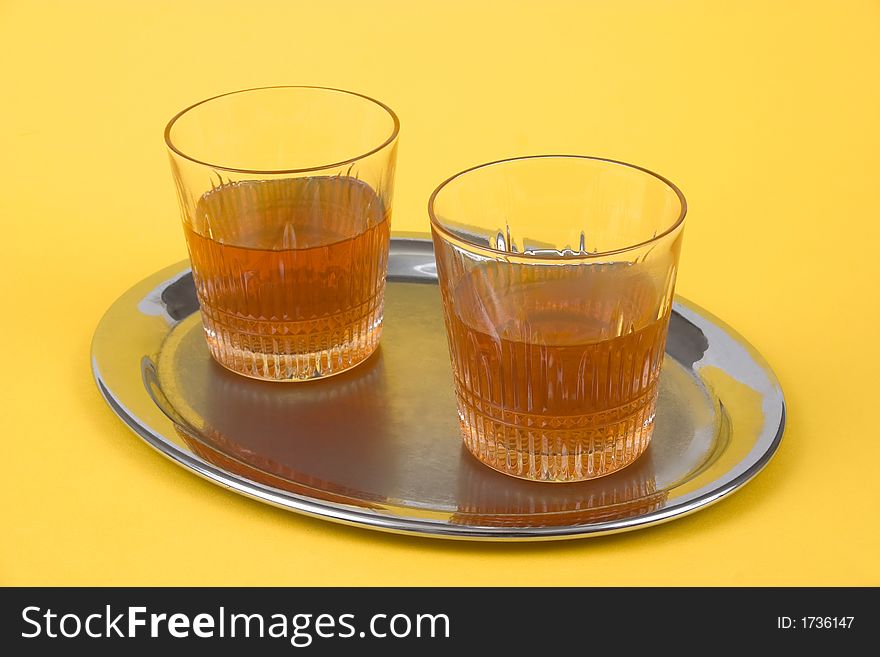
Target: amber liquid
556	367
290	274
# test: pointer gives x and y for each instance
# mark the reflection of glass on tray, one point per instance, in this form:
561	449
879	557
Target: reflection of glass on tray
491	500
283	437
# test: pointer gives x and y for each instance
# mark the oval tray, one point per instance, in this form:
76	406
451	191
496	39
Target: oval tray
379	446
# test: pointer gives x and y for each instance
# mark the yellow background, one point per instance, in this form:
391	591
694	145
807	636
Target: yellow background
765	113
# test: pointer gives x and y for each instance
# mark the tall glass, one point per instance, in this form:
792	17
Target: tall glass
285	194
557	275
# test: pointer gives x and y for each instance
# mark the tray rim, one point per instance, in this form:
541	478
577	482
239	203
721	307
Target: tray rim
425	527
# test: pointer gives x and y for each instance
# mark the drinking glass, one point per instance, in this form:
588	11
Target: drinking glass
557	275
285	195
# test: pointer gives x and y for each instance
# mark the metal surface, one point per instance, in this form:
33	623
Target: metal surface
379	446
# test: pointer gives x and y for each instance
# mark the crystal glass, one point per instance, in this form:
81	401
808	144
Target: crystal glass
557	275
285	194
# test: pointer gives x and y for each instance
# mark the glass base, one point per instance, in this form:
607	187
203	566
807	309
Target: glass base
542	453
294	357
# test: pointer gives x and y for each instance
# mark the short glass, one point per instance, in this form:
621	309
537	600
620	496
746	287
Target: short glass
285	194
557	275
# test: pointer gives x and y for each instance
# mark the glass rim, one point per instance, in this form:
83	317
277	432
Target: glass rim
321	167
526	256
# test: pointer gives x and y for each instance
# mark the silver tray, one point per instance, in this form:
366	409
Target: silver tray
379	446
